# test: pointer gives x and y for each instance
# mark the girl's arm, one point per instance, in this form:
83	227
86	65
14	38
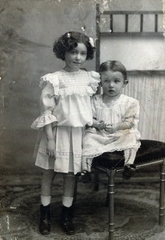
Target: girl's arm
47	104
51	141
99	125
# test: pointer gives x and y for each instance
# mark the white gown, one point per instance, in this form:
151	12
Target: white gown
65	103
124	109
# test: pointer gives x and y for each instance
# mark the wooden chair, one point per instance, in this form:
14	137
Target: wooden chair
151	153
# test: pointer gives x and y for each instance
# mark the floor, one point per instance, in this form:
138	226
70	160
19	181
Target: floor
136	209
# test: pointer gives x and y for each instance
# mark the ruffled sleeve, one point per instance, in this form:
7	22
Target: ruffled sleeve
94	80
53	79
50	89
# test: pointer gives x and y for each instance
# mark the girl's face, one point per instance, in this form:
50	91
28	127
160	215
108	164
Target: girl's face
75	58
112	83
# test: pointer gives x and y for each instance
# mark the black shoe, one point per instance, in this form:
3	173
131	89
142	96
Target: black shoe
85	177
66	220
129	171
44	226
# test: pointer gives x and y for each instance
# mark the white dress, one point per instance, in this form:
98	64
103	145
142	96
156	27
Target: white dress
95	142
65	103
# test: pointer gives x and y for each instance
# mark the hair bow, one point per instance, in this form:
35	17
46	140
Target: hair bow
91	41
68	34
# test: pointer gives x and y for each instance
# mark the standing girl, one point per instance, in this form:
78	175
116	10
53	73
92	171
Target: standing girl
65	110
115	120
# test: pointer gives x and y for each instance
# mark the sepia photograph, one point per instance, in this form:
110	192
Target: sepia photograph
82	120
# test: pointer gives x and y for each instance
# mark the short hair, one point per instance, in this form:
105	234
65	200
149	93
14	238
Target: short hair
114	66
69	41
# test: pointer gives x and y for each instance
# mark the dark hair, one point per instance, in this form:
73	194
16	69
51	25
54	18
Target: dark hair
69	41
114	66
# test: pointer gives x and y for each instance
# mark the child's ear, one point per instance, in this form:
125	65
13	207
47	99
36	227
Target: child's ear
125	82
100	88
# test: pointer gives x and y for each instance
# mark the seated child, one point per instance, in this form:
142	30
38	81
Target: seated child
115	118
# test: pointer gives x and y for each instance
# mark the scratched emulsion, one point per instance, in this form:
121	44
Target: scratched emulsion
27	32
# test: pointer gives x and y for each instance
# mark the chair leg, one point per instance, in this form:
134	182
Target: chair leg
111	177
161	198
96	180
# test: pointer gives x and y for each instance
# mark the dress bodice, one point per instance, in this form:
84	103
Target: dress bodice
66	96
124	109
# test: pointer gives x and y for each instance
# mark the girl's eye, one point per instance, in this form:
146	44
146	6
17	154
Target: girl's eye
84	53
73	52
106	80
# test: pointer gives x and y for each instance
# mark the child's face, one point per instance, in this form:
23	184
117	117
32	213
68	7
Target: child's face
112	83
76	58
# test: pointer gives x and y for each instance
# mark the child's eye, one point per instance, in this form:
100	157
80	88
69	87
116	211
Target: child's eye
116	81
73	52
84	53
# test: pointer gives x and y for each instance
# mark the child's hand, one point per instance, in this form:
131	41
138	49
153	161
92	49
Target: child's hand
51	148
100	125
111	128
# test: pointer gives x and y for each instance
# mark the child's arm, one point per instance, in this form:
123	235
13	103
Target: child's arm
51	141
130	119
100	125
111	128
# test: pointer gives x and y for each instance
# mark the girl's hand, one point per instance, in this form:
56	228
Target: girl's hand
100	125
111	128
51	148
